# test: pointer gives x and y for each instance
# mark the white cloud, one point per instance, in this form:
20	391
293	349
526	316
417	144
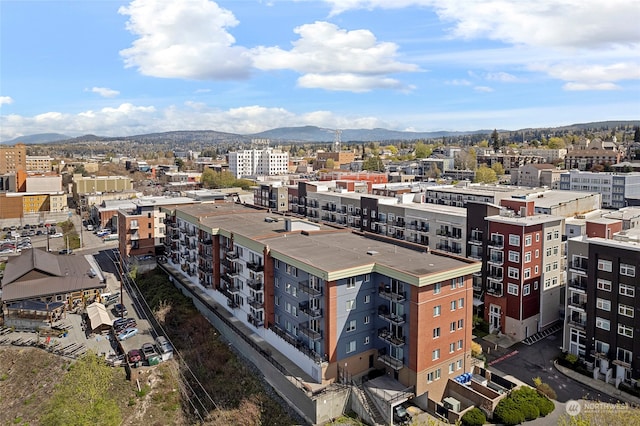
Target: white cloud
104	92
590	86
568	23
458	82
336	59
184	39
6	100
483	89
502	77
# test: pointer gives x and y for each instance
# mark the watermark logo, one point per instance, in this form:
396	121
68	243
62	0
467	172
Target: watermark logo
573	408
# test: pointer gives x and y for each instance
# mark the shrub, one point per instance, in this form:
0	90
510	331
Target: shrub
546	390
537	381
529	409
476	349
545	405
474	417
507	412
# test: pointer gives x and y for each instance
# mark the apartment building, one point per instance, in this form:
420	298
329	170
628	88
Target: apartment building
13	158
586	159
258	162
334	302
341	160
38	163
601	325
273	196
548	155
524	272
537	176
616	188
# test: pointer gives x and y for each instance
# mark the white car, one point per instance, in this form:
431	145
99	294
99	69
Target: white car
57	235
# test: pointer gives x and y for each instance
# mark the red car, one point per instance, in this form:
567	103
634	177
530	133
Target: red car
134	356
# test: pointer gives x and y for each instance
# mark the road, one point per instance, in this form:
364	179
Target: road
537	361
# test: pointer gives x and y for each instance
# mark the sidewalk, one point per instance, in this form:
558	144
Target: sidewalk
598	385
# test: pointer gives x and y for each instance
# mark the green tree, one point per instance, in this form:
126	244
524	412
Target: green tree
330	164
496	143
485	175
483	144
208	177
434	171
498	168
556	143
474	417
393	149
373	163
422	151
180	163
83	397
224	179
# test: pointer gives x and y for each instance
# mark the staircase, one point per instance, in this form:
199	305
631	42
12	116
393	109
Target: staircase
370	407
542	334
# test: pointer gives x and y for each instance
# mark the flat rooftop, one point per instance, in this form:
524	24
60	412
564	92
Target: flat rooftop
552	198
525	220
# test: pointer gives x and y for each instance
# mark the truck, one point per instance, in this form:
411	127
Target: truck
110	237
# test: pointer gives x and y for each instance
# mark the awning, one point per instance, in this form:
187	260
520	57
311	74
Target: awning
98	316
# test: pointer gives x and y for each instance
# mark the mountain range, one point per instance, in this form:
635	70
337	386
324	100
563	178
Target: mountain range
293	134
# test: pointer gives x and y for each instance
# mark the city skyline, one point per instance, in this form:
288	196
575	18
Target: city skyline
114	68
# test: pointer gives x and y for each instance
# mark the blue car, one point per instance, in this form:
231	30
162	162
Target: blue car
127	332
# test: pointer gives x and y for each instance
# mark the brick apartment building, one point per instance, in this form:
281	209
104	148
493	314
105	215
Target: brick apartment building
333	302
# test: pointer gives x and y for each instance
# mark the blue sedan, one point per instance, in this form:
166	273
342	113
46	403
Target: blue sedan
127	332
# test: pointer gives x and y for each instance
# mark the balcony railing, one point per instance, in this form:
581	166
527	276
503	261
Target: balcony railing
576	322
498	260
386	335
255	284
392	362
311	312
580	264
255	266
305	287
232	303
578	302
579	284
308	332
495	275
232	255
496	242
495	290
134	225
475	239
383	312
206	242
386	293
232	288
316	357
255	303
254	321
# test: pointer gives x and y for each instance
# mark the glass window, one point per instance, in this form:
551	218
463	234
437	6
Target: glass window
351	326
526	289
625	310
628	270
604	285
436	288
627	290
436	332
602	323
436	310
625	330
514	240
512	289
351	346
603	304
514	256
435	354
351	304
604	265
527	240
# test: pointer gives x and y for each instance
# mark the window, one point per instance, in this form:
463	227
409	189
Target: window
624	355
288	307
453	305
625	310
453	284
527	273
367	298
527	257
604	265
277	300
366	340
452	347
604	285
535	285
627	290
514	240
537	237
514	256
459	364
351	304
536	269
351	326
436	288
526	290
628	270
512	289
603	304
351	346
436	332
625	330
436	311
430	377
437	374
460	323
537	253
452	326
513	272
556	234
367	319
452	367
527	240
460	344
276	282
435	355
367	278
548	236
603	323
461	303
602	347
351	282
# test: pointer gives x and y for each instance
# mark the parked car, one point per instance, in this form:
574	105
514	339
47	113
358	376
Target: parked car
120	310
123	326
148	350
57	235
134	356
400	415
127	333
39	232
89	227
120	321
65	251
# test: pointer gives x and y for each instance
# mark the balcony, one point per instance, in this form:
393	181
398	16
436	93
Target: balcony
305	287
207	242
444	233
308	332
255	284
578	302
392	362
232	255
191	232
495	258
495	275
387	293
475	254
232	303
496	242
495	290
134	224
386	335
255	266
383	312
254	321
255	303
310	312
579	322
475	239
580	284
580	264
135	236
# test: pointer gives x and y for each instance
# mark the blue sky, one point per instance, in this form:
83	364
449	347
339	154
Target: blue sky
118	68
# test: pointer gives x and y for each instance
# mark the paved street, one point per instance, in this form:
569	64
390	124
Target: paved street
526	362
